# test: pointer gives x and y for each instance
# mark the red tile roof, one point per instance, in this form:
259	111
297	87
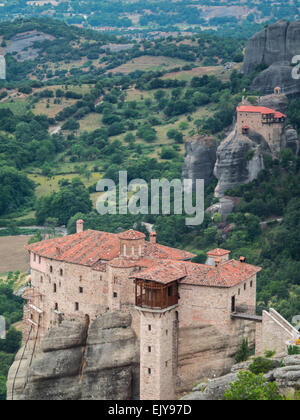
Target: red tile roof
85	248
162	272
131	235
165	252
91	247
159	263
218	252
226	275
260	110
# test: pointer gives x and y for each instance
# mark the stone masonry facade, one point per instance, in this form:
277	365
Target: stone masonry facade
85	275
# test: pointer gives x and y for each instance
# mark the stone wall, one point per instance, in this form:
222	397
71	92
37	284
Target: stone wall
275	333
157	355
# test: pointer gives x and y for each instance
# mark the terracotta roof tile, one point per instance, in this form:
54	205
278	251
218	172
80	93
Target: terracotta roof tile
226	275
131	234
260	110
218	252
91	247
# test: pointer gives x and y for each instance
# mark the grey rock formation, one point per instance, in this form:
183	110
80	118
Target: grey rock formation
200	159
239	160
214	389
224	207
275	46
292	141
287	377
77	363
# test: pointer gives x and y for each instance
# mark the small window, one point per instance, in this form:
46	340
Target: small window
61	272
149	327
167	332
149	349
56	307
245	286
239	292
76	306
149	371
166	364
40	260
115	294
251	283
100	278
54	288
80	289
51	269
41	279
34	257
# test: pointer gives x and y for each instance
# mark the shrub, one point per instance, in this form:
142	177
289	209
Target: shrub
269	354
250	387
292	350
261	365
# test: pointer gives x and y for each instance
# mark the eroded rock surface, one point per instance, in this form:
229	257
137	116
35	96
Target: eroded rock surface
274	46
286	375
200	159
80	363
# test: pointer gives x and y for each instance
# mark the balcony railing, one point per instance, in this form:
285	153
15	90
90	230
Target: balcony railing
159	302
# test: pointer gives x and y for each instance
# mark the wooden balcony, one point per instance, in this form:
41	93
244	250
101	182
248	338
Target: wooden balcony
152	295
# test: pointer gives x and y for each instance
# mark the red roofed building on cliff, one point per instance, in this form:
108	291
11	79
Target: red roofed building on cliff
265	121
82	276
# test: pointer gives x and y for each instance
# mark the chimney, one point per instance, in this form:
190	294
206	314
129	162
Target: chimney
152	237
217	262
57	250
242	259
79	226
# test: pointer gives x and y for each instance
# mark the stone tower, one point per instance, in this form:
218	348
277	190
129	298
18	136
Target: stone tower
158	354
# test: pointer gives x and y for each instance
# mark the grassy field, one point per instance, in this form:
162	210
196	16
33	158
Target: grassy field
187	75
147	63
90	123
13	256
18	107
48	185
53	109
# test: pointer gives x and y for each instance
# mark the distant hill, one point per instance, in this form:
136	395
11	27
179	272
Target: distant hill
150	15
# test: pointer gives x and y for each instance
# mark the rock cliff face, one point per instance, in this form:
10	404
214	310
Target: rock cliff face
287	379
239	160
78	362
275	46
200	159
206	352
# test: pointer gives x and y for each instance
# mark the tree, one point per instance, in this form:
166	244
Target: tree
12	341
243	352
70	199
250	387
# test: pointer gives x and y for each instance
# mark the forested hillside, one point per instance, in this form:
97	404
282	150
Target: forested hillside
79	105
